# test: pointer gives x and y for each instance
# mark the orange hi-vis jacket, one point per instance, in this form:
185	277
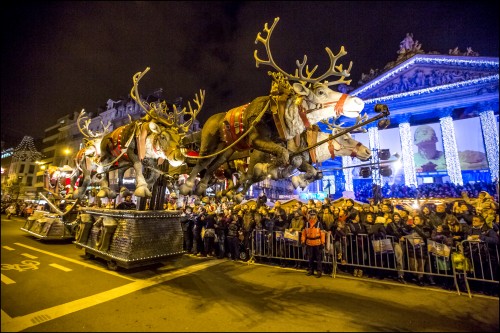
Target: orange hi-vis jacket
312	235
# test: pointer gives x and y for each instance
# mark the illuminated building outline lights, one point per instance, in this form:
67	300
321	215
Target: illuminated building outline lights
347	161
434	60
451	151
491	141
407	152
374	144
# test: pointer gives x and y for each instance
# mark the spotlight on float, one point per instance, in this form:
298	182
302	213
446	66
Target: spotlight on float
384	154
365	172
385	171
380	107
383	123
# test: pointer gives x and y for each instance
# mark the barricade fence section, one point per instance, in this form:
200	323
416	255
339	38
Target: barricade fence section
410	257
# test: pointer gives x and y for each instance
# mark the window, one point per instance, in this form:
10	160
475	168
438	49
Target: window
21	168
32	169
29	181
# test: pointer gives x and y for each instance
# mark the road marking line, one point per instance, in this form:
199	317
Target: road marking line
104	270
9	248
20	323
5	316
27	255
7	280
62	268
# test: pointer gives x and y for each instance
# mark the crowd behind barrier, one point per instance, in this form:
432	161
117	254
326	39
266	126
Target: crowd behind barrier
363	190
452	244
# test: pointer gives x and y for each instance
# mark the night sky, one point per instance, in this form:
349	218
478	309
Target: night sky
60	57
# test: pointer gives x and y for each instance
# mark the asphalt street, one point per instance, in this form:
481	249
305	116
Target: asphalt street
49	286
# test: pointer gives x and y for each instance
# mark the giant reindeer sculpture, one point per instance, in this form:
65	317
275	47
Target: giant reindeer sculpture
267	123
150	140
87	158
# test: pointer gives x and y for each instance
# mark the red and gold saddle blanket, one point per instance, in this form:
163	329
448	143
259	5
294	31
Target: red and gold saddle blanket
233	127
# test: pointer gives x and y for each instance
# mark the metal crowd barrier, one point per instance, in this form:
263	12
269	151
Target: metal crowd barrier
469	261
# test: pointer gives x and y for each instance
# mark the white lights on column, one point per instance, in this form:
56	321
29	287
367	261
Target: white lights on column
347	161
450	150
407	152
373	137
374	144
490	135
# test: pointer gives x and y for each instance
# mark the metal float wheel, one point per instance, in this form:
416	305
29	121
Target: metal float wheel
89	255
112	265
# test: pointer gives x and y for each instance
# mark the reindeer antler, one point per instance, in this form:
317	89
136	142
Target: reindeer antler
299	75
198	100
162	107
86	128
134	93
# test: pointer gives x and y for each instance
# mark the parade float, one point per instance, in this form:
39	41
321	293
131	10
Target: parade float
57	223
271	136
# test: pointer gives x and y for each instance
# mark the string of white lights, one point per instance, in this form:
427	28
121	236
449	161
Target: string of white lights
451	150
427	59
347	161
26	151
430	90
374	146
491	142
407	152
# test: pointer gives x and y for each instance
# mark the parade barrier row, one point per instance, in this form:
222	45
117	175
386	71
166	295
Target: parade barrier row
468	261
132	238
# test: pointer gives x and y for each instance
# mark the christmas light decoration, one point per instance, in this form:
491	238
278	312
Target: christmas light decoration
26	151
450	150
490	135
430	90
434	60
407	152
375	147
347	161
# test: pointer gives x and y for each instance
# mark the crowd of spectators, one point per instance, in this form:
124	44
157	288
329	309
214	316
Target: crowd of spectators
224	229
364	190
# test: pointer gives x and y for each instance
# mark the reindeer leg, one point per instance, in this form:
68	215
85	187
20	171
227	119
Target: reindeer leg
282	154
203	164
80	192
105	191
216	163
190	184
141	187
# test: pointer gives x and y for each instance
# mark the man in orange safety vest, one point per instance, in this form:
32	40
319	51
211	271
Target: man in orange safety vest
313	236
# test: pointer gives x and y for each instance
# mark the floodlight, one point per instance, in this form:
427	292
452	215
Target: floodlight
365	172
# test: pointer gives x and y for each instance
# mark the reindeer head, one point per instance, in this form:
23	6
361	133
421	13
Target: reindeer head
311	88
169	141
346	145
172	127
